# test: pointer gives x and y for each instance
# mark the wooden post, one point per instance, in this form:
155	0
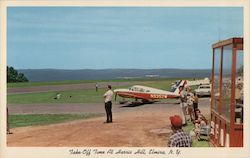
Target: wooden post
8	128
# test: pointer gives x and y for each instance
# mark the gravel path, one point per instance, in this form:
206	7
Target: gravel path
68	108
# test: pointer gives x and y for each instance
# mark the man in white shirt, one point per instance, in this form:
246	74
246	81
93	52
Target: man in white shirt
108	104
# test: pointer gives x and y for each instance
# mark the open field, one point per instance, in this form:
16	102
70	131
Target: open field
78	120
32	84
74	96
66	82
65	87
74	93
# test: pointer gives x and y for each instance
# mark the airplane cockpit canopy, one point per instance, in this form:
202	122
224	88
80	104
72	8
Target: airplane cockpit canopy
138	89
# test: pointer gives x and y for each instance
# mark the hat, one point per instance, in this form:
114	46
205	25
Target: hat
176	121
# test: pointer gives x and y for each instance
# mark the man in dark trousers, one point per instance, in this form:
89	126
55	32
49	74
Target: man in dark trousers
108	104
96	87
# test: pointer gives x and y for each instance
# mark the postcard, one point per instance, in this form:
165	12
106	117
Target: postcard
124	78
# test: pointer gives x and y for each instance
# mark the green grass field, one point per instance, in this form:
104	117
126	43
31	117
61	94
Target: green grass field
30	84
78	96
44	119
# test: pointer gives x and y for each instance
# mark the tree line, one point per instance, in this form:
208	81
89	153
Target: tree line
14	76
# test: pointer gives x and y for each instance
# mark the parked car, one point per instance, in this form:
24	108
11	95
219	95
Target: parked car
203	90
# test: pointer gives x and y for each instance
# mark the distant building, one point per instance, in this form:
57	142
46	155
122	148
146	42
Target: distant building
151	76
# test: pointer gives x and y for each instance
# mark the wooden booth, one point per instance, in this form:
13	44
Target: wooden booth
227	94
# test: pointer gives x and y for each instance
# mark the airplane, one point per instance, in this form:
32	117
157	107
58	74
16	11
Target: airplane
149	94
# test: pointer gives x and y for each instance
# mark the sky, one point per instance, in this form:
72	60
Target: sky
118	37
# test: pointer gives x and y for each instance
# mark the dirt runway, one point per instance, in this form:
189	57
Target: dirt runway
141	126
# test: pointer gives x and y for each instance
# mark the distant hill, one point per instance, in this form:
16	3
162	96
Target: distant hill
43	75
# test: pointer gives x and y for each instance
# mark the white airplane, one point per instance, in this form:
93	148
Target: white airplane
149	94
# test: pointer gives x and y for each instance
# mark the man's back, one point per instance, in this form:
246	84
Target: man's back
180	139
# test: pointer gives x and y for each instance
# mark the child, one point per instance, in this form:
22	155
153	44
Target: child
201	117
204	127
197	129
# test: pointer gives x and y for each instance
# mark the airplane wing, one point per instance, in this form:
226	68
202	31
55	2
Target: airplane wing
134	95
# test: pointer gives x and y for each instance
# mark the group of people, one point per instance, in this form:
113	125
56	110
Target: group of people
188	104
200	126
179	138
188	107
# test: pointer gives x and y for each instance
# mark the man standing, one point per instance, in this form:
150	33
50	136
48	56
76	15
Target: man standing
178	138
196	101
190	102
183	104
108	104
96	87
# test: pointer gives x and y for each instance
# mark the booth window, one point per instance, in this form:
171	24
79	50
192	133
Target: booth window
217	61
227	93
226	81
239	87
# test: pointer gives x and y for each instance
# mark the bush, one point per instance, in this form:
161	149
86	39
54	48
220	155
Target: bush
14	76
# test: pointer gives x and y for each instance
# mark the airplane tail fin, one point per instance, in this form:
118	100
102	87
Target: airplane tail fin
175	88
